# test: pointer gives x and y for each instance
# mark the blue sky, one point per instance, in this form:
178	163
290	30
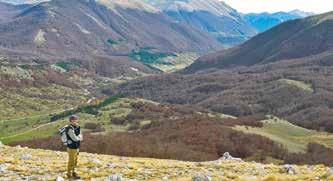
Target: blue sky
316	6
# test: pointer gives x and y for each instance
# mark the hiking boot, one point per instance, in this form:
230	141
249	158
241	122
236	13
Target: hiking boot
76	176
73	177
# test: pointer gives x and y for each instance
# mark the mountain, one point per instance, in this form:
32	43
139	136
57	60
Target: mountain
17	2
212	16
292	39
285	71
265	21
87	30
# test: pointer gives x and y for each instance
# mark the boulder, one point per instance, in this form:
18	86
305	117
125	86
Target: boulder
111	165
329	172
97	162
289	169
115	177
3	167
228	157
201	177
1	144
60	179
26	157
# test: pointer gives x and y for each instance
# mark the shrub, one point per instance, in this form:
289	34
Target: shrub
99	128
134	126
119	121
91	126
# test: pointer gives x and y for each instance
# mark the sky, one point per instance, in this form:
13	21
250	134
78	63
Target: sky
247	6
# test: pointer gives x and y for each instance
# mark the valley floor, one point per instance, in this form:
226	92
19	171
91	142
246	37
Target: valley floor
18	163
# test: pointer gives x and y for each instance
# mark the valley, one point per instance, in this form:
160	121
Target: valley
153	82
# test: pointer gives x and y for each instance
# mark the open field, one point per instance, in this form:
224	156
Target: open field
175	63
293	137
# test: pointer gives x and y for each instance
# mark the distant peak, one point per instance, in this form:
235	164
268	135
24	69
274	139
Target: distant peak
16	2
301	13
131	4
214	6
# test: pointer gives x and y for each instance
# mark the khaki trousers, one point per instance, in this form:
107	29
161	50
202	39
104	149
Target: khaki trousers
72	161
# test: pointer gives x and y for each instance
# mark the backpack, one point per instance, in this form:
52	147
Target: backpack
63	132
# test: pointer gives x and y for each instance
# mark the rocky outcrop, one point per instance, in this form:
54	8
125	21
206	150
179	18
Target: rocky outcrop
201	177
289	169
228	157
115	177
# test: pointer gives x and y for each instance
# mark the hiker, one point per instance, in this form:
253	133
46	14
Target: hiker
73	137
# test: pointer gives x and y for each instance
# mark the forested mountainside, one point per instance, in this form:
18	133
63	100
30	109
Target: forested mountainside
292	39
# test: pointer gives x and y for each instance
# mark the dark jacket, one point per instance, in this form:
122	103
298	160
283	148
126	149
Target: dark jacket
74	137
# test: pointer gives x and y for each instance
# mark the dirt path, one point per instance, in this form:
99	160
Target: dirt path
28	131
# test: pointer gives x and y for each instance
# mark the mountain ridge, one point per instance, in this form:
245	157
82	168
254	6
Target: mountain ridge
290	41
83	30
213	16
264	21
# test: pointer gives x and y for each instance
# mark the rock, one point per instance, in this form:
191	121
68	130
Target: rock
18	146
1	144
289	169
3	167
201	177
165	178
260	169
60	179
111	165
329	172
26	157
96	161
115	177
228	157
95	169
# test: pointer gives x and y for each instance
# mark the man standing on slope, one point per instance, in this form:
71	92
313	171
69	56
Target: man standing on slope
74	137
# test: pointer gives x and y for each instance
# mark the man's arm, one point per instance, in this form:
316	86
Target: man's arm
73	136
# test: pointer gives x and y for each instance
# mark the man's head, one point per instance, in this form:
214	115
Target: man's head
73	120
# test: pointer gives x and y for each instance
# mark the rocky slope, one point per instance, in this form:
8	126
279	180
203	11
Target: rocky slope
99	33
18	163
77	28
213	16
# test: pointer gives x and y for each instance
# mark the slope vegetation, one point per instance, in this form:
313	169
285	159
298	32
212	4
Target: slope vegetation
297	90
292	39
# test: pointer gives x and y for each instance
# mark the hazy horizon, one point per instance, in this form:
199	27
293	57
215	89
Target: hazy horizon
258	6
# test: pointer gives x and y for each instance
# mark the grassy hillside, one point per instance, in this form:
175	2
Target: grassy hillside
295	138
42	164
19	103
299	84
40	127
166	62
178	62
